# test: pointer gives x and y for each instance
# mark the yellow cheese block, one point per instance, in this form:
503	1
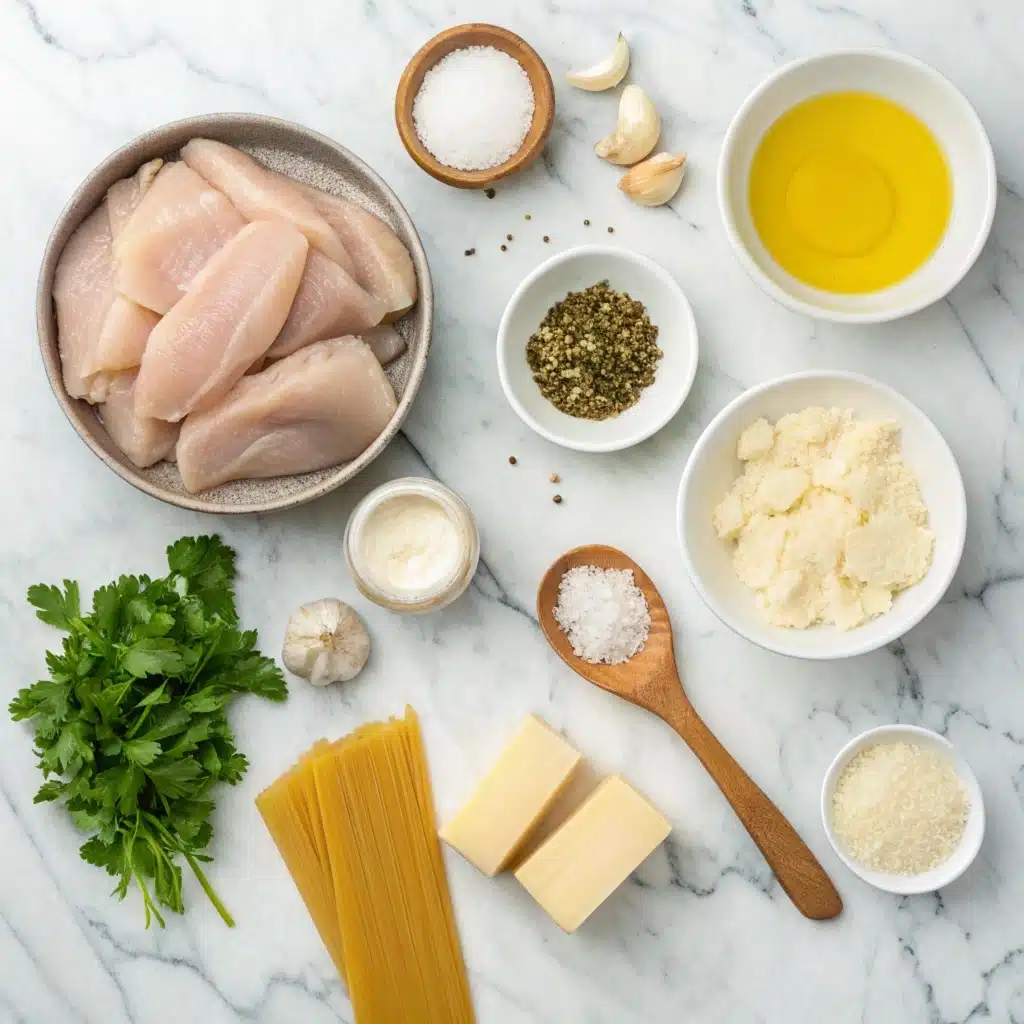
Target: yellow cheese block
512	798
593	853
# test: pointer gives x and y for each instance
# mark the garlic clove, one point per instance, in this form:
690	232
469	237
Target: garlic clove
325	642
636	132
605	74
654	181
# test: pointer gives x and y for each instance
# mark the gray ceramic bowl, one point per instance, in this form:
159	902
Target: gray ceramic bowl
302	154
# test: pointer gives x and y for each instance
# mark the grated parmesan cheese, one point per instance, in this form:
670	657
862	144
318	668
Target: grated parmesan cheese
827	520
899	807
603	613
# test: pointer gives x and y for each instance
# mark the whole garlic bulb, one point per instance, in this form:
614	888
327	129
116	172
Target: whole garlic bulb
325	642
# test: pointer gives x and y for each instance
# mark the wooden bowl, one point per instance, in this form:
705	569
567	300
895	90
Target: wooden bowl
299	153
436	50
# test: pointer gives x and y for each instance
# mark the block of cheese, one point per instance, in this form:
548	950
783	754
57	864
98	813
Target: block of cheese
593	853
512	798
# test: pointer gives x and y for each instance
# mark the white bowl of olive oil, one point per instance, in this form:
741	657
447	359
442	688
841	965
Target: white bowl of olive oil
857	186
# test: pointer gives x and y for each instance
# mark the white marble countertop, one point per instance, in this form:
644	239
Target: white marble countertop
701	933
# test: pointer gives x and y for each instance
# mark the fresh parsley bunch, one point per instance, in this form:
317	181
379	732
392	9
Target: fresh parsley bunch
130	727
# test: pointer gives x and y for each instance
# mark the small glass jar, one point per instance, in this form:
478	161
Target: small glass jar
440	592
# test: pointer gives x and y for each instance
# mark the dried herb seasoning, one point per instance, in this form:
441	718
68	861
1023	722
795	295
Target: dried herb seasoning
594	353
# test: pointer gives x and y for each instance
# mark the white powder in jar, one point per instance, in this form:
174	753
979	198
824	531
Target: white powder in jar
603	613
900	807
474	108
410	544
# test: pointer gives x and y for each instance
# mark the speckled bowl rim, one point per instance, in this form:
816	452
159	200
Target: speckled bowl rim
95	186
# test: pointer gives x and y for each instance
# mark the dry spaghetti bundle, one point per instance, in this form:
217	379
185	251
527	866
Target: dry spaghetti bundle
354	822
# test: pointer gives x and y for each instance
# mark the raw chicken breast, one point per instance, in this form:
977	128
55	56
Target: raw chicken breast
328	304
228	318
82	293
260	194
123	337
97	329
320	406
124	195
385	343
178	225
382	263
144	440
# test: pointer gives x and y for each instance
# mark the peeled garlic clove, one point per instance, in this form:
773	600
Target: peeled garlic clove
655	180
636	132
605	74
325	642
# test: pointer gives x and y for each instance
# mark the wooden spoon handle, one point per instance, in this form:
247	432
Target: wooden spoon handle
801	876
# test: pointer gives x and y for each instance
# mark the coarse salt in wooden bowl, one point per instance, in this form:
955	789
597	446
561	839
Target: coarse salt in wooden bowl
301	154
435	50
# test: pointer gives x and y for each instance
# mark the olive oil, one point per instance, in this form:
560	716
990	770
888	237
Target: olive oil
849	192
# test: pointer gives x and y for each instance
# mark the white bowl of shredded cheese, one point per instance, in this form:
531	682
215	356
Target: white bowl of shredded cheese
900	796
715	465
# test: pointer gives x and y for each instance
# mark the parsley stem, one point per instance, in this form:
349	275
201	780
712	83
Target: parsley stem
208	889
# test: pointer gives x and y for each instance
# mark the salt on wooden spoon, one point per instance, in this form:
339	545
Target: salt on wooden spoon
651	680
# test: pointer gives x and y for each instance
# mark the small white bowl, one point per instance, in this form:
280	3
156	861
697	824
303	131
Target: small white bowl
669	311
917	88
974	832
713	466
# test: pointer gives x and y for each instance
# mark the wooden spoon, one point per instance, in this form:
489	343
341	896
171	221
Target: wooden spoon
651	680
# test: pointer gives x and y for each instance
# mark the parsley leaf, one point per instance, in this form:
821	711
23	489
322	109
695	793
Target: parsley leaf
54	606
130	728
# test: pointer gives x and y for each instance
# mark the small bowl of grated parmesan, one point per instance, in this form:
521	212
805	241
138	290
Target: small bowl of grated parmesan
903	809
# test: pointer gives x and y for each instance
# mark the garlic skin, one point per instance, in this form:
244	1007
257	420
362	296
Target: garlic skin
636	132
654	181
605	74
325	642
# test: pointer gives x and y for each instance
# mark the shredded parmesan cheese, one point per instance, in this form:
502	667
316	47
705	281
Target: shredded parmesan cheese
899	807
827	519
